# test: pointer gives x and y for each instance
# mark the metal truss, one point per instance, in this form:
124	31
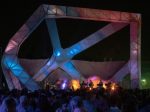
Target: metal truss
61	58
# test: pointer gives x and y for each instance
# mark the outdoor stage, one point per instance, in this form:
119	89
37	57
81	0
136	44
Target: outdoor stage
31	73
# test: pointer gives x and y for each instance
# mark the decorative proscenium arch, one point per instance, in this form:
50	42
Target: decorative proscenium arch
16	75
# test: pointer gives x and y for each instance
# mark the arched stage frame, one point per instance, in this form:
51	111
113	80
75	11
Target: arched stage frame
16	75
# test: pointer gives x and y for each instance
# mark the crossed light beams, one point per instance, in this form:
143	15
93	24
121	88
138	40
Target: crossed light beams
62	57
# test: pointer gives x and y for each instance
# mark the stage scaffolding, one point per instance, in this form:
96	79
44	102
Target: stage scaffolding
16	75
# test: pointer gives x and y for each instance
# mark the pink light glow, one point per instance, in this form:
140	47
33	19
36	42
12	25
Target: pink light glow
95	80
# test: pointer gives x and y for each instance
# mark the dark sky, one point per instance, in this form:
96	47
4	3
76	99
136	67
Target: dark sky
14	13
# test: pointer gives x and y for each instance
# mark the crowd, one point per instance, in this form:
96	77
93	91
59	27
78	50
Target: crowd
81	100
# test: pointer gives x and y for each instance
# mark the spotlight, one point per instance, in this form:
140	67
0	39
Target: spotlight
90	88
104	86
113	88
64	85
58	54
75	84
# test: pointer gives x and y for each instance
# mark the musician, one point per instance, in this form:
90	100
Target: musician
109	84
100	84
83	84
47	87
91	84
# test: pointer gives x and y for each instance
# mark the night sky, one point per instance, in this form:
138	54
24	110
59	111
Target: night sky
13	15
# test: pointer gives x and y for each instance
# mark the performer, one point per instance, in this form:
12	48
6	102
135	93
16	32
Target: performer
83	85
91	84
47	86
109	84
100	84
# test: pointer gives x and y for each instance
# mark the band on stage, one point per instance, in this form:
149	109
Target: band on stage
87	85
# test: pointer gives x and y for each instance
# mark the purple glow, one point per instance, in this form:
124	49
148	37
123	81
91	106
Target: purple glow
64	85
63	57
